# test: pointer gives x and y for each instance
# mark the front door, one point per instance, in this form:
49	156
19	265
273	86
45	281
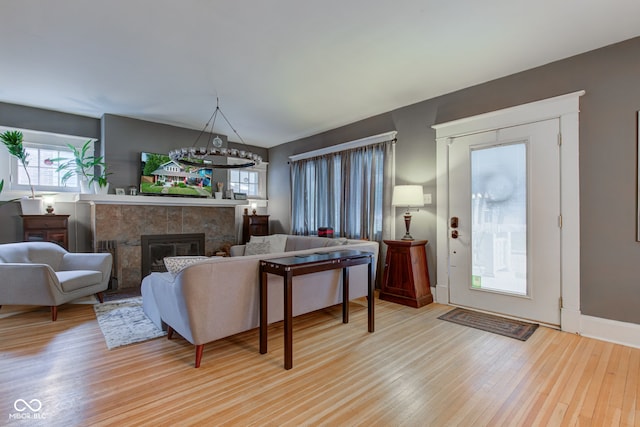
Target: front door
504	225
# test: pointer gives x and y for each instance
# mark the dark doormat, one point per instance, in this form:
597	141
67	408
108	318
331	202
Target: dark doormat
490	323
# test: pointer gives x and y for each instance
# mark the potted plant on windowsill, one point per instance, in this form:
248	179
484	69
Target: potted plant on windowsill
82	165
100	183
12	139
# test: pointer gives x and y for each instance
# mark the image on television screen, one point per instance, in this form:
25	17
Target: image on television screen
162	176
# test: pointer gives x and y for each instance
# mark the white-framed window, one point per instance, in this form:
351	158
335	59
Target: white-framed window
251	181
244	181
42	169
41	148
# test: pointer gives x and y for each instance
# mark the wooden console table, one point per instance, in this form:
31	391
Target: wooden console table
298	265
406	275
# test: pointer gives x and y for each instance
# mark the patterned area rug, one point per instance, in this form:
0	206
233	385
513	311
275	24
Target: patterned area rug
490	323
123	322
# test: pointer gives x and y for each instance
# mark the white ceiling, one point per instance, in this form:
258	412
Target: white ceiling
282	69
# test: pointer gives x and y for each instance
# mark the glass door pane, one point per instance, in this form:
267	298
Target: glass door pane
499	218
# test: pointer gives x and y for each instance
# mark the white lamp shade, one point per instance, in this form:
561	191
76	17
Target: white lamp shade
408	196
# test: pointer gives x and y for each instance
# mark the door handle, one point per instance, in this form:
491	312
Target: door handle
454	234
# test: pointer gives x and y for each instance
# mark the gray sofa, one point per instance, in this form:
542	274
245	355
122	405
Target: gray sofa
219	297
43	273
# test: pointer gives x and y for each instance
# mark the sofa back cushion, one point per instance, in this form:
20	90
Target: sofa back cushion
298	243
32	253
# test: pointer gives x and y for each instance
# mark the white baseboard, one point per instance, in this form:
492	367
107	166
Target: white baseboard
610	330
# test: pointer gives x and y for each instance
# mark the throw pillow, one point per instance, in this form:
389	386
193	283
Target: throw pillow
175	264
278	242
257	248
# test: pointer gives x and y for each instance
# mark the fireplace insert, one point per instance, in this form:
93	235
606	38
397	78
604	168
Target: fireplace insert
155	247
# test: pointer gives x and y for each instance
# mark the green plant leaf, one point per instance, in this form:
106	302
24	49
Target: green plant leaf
82	164
12	139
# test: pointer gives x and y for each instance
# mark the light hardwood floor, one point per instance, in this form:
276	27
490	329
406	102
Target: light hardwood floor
415	370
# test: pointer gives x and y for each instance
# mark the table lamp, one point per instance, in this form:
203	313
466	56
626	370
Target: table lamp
407	196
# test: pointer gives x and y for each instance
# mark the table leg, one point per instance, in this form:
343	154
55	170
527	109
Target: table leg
288	321
345	295
263	312
371	302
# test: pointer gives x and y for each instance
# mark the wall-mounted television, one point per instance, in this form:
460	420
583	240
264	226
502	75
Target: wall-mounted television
161	176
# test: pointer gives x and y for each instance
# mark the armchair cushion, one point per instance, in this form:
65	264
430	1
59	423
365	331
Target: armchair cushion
78	279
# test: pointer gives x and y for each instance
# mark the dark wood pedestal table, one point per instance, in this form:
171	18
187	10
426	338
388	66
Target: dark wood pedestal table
306	264
406	276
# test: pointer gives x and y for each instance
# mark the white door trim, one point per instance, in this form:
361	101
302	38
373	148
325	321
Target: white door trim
566	108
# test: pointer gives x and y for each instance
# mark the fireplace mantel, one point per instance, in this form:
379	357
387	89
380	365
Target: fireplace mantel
113	199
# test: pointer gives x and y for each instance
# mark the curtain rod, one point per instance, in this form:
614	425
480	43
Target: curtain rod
387	136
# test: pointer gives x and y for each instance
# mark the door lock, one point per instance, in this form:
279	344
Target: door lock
454	234
454	222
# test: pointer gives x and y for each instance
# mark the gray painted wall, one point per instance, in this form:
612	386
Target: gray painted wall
23	117
610	255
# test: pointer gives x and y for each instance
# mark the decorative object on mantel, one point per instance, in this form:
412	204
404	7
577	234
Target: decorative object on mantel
194	155
407	196
220	186
12	139
100	183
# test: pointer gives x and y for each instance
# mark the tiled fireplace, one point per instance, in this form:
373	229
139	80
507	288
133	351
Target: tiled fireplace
123	225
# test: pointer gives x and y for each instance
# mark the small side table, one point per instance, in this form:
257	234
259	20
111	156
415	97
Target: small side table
406	275
46	228
254	225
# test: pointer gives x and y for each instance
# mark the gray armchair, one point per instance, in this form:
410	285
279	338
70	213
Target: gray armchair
42	273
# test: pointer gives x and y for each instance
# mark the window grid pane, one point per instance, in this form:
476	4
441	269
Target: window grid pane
42	170
244	182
